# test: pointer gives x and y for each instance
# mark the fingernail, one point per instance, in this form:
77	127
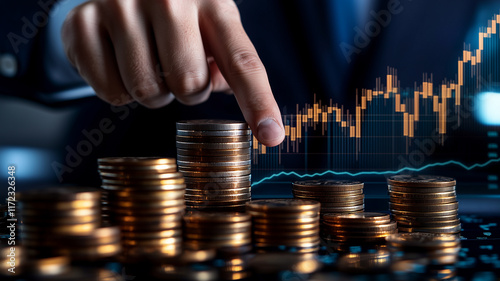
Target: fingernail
269	130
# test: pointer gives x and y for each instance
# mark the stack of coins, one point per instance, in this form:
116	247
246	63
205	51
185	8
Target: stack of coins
285	224
203	230
359	228
51	213
214	157
100	244
335	196
435	248
424	203
145	199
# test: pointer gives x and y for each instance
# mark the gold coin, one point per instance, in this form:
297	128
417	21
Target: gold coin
135	161
218	197
423	240
211	125
211	159
217	237
213	145
434	201
327	185
148	195
358	218
217	208
197	245
284	221
152	242
133	227
137	188
348	209
442	229
276	227
218	133
417	224
227	217
95	252
141	182
214	139
422	195
148	211
139	176
153	253
213	152
229	180
421	181
214	169
424	220
99	236
310	246
297	192
362	227
207	174
424	207
216	191
48	220
158	219
425	214
60	206
75	228
332	199
163	168
287	234
151	235
283	205
61	193
140	205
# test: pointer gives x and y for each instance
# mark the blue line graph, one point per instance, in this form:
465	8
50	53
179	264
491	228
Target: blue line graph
405	169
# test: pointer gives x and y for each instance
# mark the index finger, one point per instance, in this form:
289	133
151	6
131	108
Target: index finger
241	66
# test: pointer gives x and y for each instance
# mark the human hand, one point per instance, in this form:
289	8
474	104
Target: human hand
154	52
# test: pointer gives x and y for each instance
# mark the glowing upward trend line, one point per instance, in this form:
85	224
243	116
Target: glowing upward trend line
330	172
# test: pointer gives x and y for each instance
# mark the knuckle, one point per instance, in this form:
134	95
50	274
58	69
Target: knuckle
193	100
190	83
245	62
145	92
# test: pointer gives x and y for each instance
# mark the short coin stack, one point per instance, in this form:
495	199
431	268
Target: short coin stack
285	224
214	157
438	249
145	199
335	196
424	203
359	228
100	244
203	230
52	213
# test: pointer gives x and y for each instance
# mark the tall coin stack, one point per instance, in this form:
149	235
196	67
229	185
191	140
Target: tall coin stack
360	228
52	213
214	157
203	230
146	200
285	224
335	196
424	203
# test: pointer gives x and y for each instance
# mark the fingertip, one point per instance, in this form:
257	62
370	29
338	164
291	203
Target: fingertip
269	132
